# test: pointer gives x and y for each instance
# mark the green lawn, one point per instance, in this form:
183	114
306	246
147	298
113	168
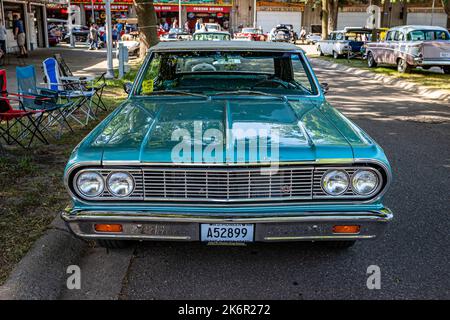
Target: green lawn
32	192
423	77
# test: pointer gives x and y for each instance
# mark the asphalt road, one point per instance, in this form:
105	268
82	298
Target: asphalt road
413	255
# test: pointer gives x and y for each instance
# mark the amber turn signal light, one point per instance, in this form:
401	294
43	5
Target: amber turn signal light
346	229
108	227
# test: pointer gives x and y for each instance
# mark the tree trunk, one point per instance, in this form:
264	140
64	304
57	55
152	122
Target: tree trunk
386	15
147	24
324	19
446	5
332	14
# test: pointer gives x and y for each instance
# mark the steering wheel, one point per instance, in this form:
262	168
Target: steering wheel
279	83
203	67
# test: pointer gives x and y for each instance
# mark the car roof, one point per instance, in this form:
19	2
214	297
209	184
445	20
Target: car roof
223	45
408	28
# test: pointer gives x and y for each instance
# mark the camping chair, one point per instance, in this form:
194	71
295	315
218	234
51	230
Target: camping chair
34	98
98	86
20	123
69	90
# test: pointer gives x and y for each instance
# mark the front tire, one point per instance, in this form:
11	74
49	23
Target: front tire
403	66
113	244
335	55
371	60
446	70
320	51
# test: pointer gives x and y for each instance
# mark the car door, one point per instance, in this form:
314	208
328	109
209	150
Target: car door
393	51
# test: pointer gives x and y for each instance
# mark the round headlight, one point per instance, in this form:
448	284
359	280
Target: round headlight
364	182
335	182
90	184
120	184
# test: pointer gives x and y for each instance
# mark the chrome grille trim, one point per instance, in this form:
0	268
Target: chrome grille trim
227	184
242	184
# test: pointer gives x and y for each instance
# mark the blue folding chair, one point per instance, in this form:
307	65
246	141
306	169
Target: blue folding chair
36	98
69	90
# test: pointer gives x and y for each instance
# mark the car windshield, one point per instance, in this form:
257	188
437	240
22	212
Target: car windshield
420	35
211	36
358	36
210	72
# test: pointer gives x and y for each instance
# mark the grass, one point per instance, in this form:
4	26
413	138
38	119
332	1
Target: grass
32	192
422	77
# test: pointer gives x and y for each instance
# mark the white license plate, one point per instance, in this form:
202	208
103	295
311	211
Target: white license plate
227	232
445	54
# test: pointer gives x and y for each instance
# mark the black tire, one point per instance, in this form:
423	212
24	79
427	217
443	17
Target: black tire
336	55
113	244
371	60
403	66
446	70
320	51
339	244
426	67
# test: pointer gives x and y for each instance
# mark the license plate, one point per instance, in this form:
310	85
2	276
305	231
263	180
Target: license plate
445	54
227	232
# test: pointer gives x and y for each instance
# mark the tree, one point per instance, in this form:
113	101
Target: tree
332	14
324	19
147	23
446	5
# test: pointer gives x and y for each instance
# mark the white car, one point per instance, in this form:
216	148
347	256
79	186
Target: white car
313	38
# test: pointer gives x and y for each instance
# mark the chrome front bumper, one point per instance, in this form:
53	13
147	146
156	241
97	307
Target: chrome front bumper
306	226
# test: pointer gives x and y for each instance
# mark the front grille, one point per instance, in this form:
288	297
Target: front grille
230	184
227	184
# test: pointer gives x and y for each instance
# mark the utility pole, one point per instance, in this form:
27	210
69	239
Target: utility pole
179	13
92	12
109	70
254	15
70	25
432	13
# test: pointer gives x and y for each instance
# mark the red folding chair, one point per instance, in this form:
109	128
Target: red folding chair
21	124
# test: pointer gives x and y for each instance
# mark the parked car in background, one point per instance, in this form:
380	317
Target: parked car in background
171	162
312	38
80	33
211	36
283	33
176	34
343	42
408	47
250	34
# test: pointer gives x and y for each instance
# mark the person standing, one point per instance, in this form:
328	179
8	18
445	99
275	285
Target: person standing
303	35
93	37
19	36
198	25
175	24
115	36
186	26
2	38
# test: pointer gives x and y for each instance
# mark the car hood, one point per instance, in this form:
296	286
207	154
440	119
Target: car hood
159	129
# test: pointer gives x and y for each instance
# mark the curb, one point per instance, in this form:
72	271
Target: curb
41	274
434	94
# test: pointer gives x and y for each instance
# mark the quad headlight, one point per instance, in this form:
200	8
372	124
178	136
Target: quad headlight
120	184
335	182
365	182
90	184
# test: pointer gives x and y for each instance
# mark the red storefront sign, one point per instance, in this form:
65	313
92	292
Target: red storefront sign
164	8
101	7
208	9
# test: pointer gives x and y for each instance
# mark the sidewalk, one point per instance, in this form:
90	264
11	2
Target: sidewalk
80	60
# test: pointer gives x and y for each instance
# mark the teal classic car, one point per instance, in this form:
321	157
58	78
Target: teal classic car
227	141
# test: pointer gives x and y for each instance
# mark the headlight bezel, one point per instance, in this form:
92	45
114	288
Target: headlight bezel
80	191
113	194
322	181
375	189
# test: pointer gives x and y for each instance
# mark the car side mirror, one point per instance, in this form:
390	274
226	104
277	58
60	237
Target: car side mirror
127	87
325	87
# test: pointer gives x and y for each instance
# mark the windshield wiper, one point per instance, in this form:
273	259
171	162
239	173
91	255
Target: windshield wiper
179	92
249	92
